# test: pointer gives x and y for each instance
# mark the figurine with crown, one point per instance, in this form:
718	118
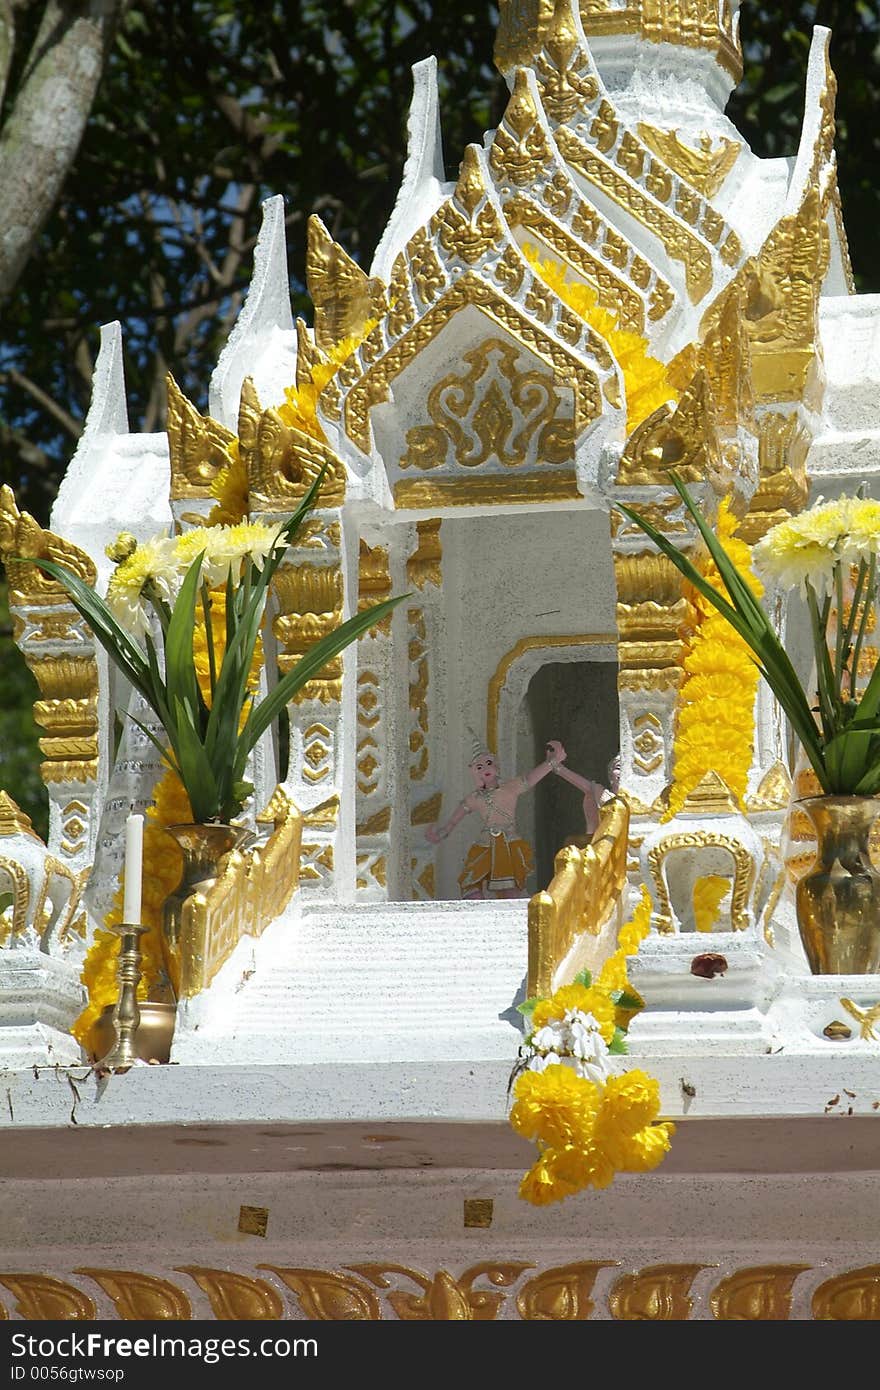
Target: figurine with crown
497	864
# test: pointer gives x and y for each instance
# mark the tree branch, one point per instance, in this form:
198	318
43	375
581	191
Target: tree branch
40	138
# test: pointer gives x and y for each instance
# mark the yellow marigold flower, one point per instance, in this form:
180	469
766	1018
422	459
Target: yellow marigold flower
542	1184
231	488
648	1147
554	1106
613	973
587	1166
629	1102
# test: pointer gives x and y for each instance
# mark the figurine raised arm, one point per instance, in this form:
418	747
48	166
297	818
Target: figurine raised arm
595	794
498	864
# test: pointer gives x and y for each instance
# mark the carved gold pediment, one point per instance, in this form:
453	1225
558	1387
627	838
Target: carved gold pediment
470	291
777	294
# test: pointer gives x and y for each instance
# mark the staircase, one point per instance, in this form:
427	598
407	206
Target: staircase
375	982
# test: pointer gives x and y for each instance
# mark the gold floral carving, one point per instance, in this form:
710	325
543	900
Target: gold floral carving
725	358
561	1294
495	411
581	897
658	1293
565	87
648	743
235	1297
743	876
520	149
679	240
705	168
852	1297
444	1298
283	462
345	298
682	436
419	679
21	535
425	565
43	1298
330	1297
141	1297
197	444
374	581
762	1294
469	290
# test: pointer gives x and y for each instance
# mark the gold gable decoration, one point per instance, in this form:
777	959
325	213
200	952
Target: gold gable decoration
345	298
199	446
682	436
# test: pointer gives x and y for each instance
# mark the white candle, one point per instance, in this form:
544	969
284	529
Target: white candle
134	863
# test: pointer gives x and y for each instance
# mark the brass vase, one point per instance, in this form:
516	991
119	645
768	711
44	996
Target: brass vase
152	1039
838	899
204	845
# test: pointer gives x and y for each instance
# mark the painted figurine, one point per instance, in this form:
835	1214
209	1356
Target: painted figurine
595	795
498	864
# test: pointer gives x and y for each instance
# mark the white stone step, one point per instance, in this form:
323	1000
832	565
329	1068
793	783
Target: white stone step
368	982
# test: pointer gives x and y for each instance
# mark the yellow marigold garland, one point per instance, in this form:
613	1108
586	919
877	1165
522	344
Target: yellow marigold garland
647	380
589	1129
715	716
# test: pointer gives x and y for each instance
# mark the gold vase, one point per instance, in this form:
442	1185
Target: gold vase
152	1039
204	845
838	899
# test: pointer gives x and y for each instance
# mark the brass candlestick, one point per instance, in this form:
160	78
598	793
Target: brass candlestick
126	1015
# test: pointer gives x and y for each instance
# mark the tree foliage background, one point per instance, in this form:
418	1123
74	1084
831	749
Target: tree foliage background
202	110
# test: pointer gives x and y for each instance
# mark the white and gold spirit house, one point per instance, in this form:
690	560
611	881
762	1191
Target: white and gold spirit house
614	285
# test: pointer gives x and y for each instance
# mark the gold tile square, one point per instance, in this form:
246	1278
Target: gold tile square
252	1221
478	1211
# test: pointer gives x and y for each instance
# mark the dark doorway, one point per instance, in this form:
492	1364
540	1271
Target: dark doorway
576	702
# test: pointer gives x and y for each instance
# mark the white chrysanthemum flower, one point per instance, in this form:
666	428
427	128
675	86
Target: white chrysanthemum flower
792	562
864	528
154	563
224	548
